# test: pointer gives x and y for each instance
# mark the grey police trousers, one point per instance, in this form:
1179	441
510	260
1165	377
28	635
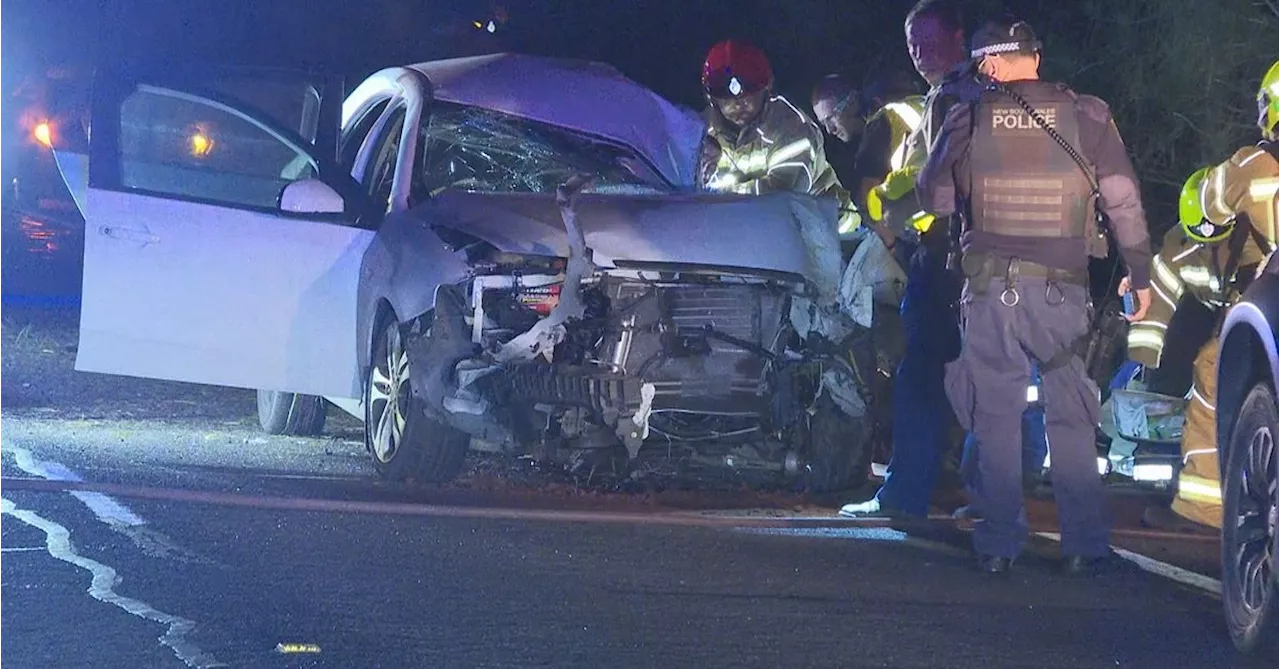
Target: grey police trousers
1004	331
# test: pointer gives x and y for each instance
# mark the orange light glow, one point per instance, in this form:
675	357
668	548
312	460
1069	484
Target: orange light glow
43	133
200	144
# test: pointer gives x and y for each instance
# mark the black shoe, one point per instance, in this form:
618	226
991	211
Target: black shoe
997	566
1079	565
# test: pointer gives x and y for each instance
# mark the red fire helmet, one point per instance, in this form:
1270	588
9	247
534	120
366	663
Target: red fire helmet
735	67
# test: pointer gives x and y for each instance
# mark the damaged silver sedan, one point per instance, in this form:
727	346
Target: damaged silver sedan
506	254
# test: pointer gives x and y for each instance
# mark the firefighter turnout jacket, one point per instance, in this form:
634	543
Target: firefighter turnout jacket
1242	189
903	117
780	151
1185	267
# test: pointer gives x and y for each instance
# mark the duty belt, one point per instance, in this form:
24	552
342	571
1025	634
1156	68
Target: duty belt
980	268
986	266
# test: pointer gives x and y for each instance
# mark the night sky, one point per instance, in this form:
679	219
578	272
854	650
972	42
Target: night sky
658	42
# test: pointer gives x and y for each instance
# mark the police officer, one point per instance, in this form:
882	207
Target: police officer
921	414
1028	198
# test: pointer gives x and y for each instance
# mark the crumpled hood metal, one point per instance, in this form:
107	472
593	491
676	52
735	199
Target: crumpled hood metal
781	232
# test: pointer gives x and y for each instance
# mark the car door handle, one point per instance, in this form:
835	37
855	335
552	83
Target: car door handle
140	235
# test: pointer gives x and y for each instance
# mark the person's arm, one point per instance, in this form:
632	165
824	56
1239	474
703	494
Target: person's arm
1147	336
1121	197
708	160
936	184
871	162
790	164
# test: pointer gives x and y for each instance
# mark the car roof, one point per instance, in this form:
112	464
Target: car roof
588	97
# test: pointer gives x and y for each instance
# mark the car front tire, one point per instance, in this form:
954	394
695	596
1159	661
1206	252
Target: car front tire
291	414
1249	591
405	443
839	457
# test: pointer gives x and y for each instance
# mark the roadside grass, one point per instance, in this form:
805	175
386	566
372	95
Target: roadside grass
23	340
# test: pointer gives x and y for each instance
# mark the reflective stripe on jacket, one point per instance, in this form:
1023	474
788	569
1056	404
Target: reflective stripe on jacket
1244	184
782	150
904	117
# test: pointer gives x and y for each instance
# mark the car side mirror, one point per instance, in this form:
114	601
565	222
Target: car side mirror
311	196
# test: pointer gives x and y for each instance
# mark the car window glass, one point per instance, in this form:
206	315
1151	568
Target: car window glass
354	135
179	144
486	151
380	174
291	104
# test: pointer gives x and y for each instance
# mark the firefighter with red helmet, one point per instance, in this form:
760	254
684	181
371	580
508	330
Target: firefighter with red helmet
758	142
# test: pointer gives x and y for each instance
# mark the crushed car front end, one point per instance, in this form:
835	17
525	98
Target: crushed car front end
648	333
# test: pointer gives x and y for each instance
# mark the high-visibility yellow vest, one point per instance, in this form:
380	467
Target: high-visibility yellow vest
904	117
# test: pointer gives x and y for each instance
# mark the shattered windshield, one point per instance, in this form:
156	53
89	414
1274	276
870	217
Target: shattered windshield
481	150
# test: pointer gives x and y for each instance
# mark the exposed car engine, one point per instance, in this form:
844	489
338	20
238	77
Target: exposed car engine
656	366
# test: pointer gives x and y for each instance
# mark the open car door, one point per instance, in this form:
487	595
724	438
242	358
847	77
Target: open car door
221	240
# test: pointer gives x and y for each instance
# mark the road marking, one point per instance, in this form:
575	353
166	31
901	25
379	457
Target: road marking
860	533
112	513
107	510
1154	566
102	588
21	549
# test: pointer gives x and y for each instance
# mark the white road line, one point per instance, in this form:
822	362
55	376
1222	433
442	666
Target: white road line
21	549
107	510
1158	568
102	588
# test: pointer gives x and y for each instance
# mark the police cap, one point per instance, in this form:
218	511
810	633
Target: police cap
1004	36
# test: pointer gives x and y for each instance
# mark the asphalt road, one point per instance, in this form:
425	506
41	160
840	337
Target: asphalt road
209	583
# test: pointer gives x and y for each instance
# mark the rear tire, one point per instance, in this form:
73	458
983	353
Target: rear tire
405	443
291	414
1249	590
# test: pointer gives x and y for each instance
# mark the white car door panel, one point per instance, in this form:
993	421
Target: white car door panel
191	271
200	293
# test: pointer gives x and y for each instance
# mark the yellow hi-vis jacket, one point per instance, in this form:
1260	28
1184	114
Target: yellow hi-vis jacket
888	202
904	117
780	151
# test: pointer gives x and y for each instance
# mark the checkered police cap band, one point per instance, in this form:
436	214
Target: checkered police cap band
1016	37
995	49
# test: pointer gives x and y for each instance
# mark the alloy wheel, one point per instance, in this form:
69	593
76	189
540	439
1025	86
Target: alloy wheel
389	395
1256	520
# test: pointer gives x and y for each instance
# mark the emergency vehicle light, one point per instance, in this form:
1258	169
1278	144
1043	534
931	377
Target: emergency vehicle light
43	133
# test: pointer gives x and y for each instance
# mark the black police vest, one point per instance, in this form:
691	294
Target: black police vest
1023	184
